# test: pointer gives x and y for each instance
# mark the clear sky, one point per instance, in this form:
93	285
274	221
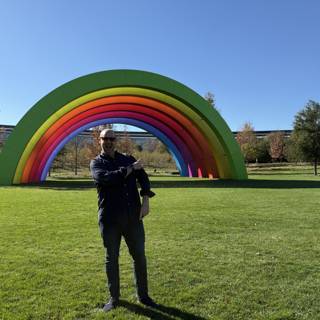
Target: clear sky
261	58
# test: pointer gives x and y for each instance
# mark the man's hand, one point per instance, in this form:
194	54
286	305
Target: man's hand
137	165
134	166
144	207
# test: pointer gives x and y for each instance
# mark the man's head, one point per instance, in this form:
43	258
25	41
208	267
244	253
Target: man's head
107	140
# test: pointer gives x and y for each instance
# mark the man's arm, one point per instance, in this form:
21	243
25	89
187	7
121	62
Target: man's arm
107	178
144	182
145	208
145	191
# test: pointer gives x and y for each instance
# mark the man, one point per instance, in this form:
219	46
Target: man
121	214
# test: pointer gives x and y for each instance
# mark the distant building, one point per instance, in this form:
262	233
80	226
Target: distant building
263	134
138	137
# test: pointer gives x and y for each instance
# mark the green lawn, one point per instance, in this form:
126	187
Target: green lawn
216	250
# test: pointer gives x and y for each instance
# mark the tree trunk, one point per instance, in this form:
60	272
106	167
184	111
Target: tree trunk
76	162
76	143
315	167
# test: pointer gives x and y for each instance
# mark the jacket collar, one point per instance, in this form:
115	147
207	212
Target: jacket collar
106	157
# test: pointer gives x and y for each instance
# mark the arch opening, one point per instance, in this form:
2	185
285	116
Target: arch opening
183	168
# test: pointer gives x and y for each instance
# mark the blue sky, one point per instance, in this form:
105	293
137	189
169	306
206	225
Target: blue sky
259	58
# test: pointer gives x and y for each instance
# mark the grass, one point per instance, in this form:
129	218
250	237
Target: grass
216	250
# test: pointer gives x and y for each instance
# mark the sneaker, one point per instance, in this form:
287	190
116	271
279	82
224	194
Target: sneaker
148	302
111	304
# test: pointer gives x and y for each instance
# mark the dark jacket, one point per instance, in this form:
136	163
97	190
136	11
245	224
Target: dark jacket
118	196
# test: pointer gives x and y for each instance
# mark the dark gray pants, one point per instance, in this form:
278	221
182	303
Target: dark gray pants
134	236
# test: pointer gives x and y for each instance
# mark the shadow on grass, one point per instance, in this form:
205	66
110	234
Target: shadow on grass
249	184
161	312
62	184
261	173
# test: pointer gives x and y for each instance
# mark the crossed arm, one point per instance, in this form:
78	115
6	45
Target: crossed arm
117	177
145	185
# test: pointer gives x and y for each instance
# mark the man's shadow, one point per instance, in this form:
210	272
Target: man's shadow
161	312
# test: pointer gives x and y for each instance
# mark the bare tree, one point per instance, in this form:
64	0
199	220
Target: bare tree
93	147
76	145
125	143
276	142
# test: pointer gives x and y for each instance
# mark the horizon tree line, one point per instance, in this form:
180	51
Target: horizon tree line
302	146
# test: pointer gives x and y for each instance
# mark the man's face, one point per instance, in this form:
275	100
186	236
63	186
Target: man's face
107	142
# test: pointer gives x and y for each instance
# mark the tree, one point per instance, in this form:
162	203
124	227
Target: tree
125	143
209	96
60	160
276	142
248	142
150	145
71	154
155	155
2	137
291	151
263	151
93	147
76	144
306	132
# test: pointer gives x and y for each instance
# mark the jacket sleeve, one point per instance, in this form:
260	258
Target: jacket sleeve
143	180
144	183
107	178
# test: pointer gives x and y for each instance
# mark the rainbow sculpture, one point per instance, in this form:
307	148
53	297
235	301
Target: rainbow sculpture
194	132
